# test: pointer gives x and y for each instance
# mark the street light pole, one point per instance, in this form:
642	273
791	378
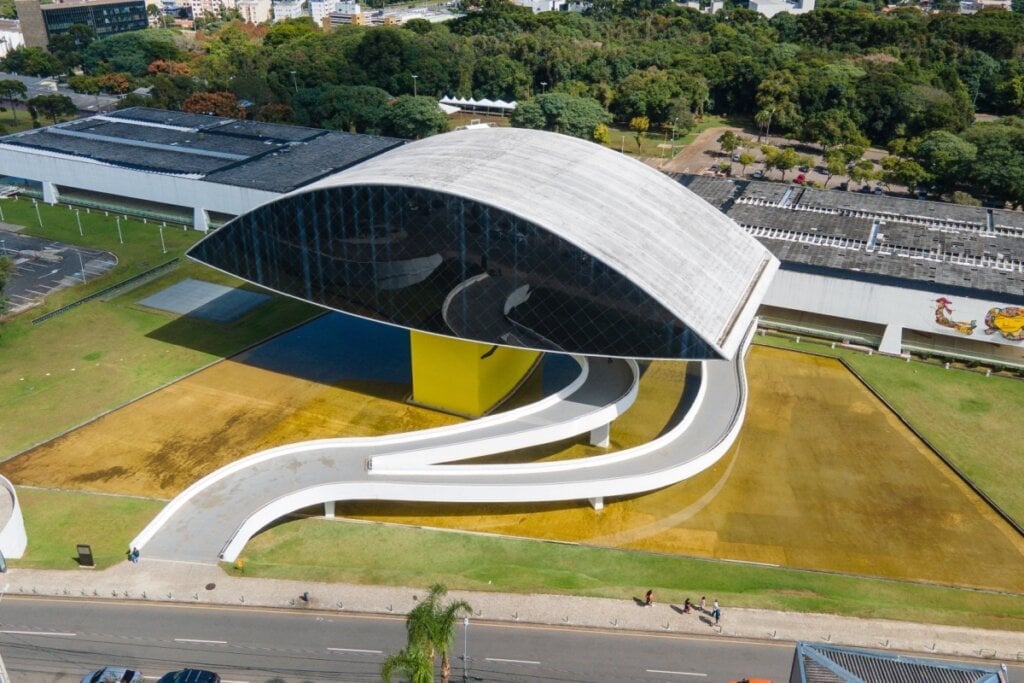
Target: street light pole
120	237
414	79
81	265
78	218
295	84
39	216
465	650
543	87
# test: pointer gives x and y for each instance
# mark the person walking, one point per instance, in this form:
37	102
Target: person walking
703	604
686	606
649	598
135	555
716	612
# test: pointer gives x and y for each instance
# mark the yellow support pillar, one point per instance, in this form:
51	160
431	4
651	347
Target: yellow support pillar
463	377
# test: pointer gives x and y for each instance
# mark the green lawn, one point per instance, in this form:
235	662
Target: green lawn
97	356
965	415
621	138
57	521
336	550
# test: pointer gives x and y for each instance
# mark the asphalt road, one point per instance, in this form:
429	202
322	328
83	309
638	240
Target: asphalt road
45	640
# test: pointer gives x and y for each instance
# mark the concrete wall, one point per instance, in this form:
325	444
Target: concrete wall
893	307
147	186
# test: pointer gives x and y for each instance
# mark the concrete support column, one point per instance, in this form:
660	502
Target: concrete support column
200	219
601	436
329	509
50	194
892	340
597	503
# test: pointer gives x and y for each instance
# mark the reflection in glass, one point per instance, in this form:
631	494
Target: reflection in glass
449	265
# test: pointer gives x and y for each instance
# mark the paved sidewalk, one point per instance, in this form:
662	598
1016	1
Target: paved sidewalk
166	581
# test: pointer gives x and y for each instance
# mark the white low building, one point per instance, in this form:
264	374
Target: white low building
10	36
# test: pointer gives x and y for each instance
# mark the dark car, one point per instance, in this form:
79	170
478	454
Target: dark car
190	676
113	674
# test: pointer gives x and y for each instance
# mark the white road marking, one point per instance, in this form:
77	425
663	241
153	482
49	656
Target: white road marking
677	673
39	633
357	651
510	661
196	640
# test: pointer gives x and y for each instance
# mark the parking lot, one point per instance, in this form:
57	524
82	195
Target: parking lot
42	267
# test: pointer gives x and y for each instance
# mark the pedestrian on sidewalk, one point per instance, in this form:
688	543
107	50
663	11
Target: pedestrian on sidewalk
716	612
649	598
687	605
134	555
703	604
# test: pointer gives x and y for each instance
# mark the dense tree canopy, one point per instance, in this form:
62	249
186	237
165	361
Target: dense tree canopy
838	77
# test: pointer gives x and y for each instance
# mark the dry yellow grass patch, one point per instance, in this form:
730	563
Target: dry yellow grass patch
164	442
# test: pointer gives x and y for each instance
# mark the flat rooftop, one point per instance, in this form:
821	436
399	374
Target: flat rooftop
888	240
264	156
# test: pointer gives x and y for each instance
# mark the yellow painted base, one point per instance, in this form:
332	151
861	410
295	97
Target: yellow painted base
467	378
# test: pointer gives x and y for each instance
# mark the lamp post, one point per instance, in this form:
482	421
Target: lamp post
675	122
465	650
295	84
39	216
414	79
543	87
78	218
120	237
81	265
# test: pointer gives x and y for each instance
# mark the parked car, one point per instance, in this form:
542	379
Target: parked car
190	676
113	674
878	190
736	156
800	179
757	174
803	169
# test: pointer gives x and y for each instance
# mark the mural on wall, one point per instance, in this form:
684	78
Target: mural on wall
1008	322
943	311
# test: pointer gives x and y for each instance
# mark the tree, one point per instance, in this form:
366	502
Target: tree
115	83
31	61
746	159
414	118
777	95
601	134
561	113
216	103
51	106
413	662
835	164
12	90
905	172
863	171
783	160
728	142
430	627
947	157
639	125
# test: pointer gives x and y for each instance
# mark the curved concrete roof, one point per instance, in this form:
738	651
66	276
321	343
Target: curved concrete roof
682	251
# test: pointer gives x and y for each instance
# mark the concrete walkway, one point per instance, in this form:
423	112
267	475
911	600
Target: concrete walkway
182	582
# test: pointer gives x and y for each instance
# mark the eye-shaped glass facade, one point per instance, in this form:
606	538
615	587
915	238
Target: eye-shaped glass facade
446	264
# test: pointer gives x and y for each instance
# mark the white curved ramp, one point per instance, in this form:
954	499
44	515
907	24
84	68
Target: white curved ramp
216	517
13	539
195	525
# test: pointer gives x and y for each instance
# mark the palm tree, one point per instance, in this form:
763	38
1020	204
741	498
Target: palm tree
414	663
431	631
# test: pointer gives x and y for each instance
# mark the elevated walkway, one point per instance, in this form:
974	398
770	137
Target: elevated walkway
216	517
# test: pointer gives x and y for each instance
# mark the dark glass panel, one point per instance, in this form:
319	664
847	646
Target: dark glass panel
444	264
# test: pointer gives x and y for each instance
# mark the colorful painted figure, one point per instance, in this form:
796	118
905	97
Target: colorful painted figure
1008	321
942	312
